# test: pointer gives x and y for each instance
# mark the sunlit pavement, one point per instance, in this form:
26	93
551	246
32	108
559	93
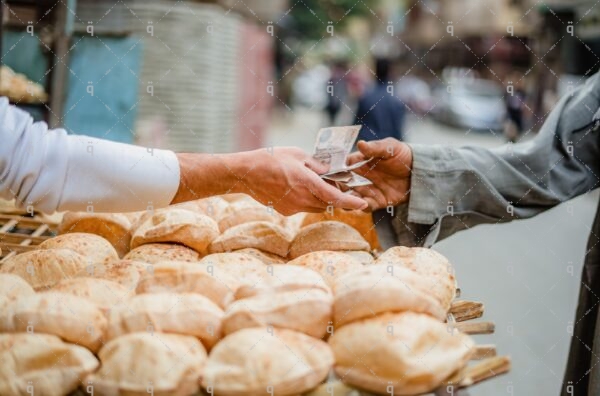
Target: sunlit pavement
526	272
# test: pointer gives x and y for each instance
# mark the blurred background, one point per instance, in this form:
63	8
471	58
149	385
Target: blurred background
229	75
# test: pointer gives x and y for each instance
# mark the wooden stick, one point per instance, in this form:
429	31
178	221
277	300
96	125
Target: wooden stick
476	327
466	310
484	351
481	371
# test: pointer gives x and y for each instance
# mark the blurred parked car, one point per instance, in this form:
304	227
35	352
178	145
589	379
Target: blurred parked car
415	93
474	104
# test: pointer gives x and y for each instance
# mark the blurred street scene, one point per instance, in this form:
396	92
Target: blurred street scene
226	75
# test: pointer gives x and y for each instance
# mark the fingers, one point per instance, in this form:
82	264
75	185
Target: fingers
356	157
315	165
385	148
374	197
327	193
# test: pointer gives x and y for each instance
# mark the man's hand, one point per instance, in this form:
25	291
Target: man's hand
389	171
286	178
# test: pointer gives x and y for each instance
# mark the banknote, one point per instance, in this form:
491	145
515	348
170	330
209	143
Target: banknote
357	181
333	144
332	147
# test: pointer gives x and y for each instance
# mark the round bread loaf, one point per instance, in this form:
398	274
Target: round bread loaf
43	269
282	362
360	220
330	265
93	247
382	288
327	235
142	364
270	279
181	226
429	263
266	258
245	211
400	354
13	287
125	272
306	311
114	227
42	364
213	207
185	313
262	235
106	294
154	253
73	319
182	277
365	258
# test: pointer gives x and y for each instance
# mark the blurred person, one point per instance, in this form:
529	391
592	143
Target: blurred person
380	112
52	171
500	185
337	97
515	103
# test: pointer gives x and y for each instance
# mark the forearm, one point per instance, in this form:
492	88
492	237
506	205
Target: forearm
204	175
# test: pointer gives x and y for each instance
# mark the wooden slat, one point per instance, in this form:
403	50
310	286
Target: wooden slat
476	327
484	351
466	310
481	371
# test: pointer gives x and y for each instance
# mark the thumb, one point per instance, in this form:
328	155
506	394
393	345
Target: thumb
316	166
376	148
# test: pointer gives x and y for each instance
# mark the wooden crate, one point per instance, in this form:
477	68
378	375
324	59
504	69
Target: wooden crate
20	232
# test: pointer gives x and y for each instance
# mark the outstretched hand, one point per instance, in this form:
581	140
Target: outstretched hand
390	172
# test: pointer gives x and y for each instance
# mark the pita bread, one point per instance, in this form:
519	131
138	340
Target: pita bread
330	265
261	235
276	278
13	287
43	269
382	288
294	222
114	227
429	263
365	258
327	235
212	207
73	319
232	259
245	211
182	277
266	258
154	253
412	352
124	272
186	313
359	220
93	247
42	362
306	311
177	226
106	294
282	362
142	364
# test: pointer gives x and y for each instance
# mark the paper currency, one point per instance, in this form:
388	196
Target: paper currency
333	145
332	148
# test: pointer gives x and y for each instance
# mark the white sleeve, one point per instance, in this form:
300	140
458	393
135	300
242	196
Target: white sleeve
52	170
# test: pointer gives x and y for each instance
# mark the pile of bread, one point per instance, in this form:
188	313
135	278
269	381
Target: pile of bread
19	89
223	296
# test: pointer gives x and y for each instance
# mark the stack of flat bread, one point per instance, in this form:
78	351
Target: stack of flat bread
225	295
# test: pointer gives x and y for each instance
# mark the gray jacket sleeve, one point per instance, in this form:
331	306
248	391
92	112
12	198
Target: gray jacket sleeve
453	189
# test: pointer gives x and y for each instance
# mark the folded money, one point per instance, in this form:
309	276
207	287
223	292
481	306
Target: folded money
332	147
